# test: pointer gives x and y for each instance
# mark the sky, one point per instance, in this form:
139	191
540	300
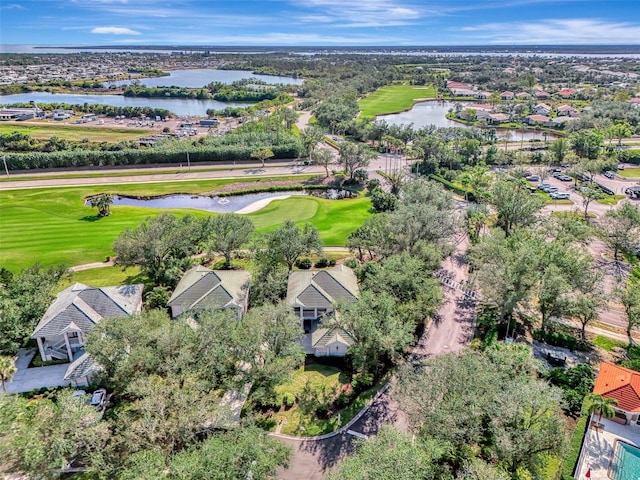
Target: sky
319	22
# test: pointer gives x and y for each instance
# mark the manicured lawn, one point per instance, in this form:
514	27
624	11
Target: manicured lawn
52	226
550	201
394	98
103	277
74	133
629	173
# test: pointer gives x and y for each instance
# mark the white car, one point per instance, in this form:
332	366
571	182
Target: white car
559	195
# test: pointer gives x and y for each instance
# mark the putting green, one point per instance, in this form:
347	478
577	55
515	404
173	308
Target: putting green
52	226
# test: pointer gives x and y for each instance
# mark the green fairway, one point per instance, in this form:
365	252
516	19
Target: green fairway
52	226
393	99
104	277
73	132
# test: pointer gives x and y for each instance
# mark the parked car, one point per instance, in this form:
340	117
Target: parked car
532	178
551	190
559	195
621	167
605	189
542	186
99	399
565	178
583	177
609	174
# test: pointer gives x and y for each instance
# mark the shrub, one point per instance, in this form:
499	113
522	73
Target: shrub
373	184
322	262
558	340
304	264
383	201
351	263
322	410
288	399
343	400
361	381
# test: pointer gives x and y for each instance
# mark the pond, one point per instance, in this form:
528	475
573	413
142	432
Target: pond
199	77
423	114
235	203
178	106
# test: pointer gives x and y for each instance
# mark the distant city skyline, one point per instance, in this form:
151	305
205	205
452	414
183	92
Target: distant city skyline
320	22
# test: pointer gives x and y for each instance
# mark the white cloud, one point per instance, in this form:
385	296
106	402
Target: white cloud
557	32
12	6
115	31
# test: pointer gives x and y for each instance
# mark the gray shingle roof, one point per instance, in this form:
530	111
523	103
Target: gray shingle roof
80	307
321	288
326	336
200	288
82	367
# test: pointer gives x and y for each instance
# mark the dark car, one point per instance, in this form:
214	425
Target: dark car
609	174
99	399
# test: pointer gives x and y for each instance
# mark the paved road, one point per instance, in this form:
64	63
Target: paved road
450	331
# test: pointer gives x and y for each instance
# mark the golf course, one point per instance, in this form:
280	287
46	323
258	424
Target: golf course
394	99
53	226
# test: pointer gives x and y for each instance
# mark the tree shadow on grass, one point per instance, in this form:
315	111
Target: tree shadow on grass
90	218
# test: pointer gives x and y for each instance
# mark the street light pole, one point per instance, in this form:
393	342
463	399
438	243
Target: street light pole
4	160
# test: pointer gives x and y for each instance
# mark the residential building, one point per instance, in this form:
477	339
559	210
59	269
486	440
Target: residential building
62	331
568	111
537	119
507	95
542	95
623	385
567	92
542	109
523	96
202	288
313	294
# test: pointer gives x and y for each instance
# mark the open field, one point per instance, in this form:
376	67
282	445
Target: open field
52	226
393	99
73	132
629	173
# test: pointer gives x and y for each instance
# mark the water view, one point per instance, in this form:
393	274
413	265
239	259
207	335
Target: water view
424	114
200	77
179	106
230	204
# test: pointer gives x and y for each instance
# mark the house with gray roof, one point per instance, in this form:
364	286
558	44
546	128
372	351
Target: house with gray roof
201	288
313	294
61	332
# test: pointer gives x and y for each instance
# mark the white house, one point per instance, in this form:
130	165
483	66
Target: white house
331	342
61	332
202	288
568	110
542	109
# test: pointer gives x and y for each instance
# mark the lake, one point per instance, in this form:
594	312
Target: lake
423	114
197	78
179	106
228	204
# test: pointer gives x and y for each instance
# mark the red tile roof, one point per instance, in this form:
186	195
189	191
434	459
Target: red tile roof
619	383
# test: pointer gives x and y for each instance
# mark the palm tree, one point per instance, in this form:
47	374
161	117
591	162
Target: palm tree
7	370
102	202
600	404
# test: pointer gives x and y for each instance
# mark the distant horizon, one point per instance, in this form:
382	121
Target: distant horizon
320	22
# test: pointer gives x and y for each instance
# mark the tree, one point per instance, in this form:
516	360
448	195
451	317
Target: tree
262	154
602	405
380	334
587	298
39	437
622	226
514	204
7	370
391	454
324	158
23	301
354	156
631	300
559	149
311	137
589	192
102	202
587	143
227	234
513	417
289	242
161	246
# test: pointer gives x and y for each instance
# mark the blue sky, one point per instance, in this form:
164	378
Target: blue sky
319	22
